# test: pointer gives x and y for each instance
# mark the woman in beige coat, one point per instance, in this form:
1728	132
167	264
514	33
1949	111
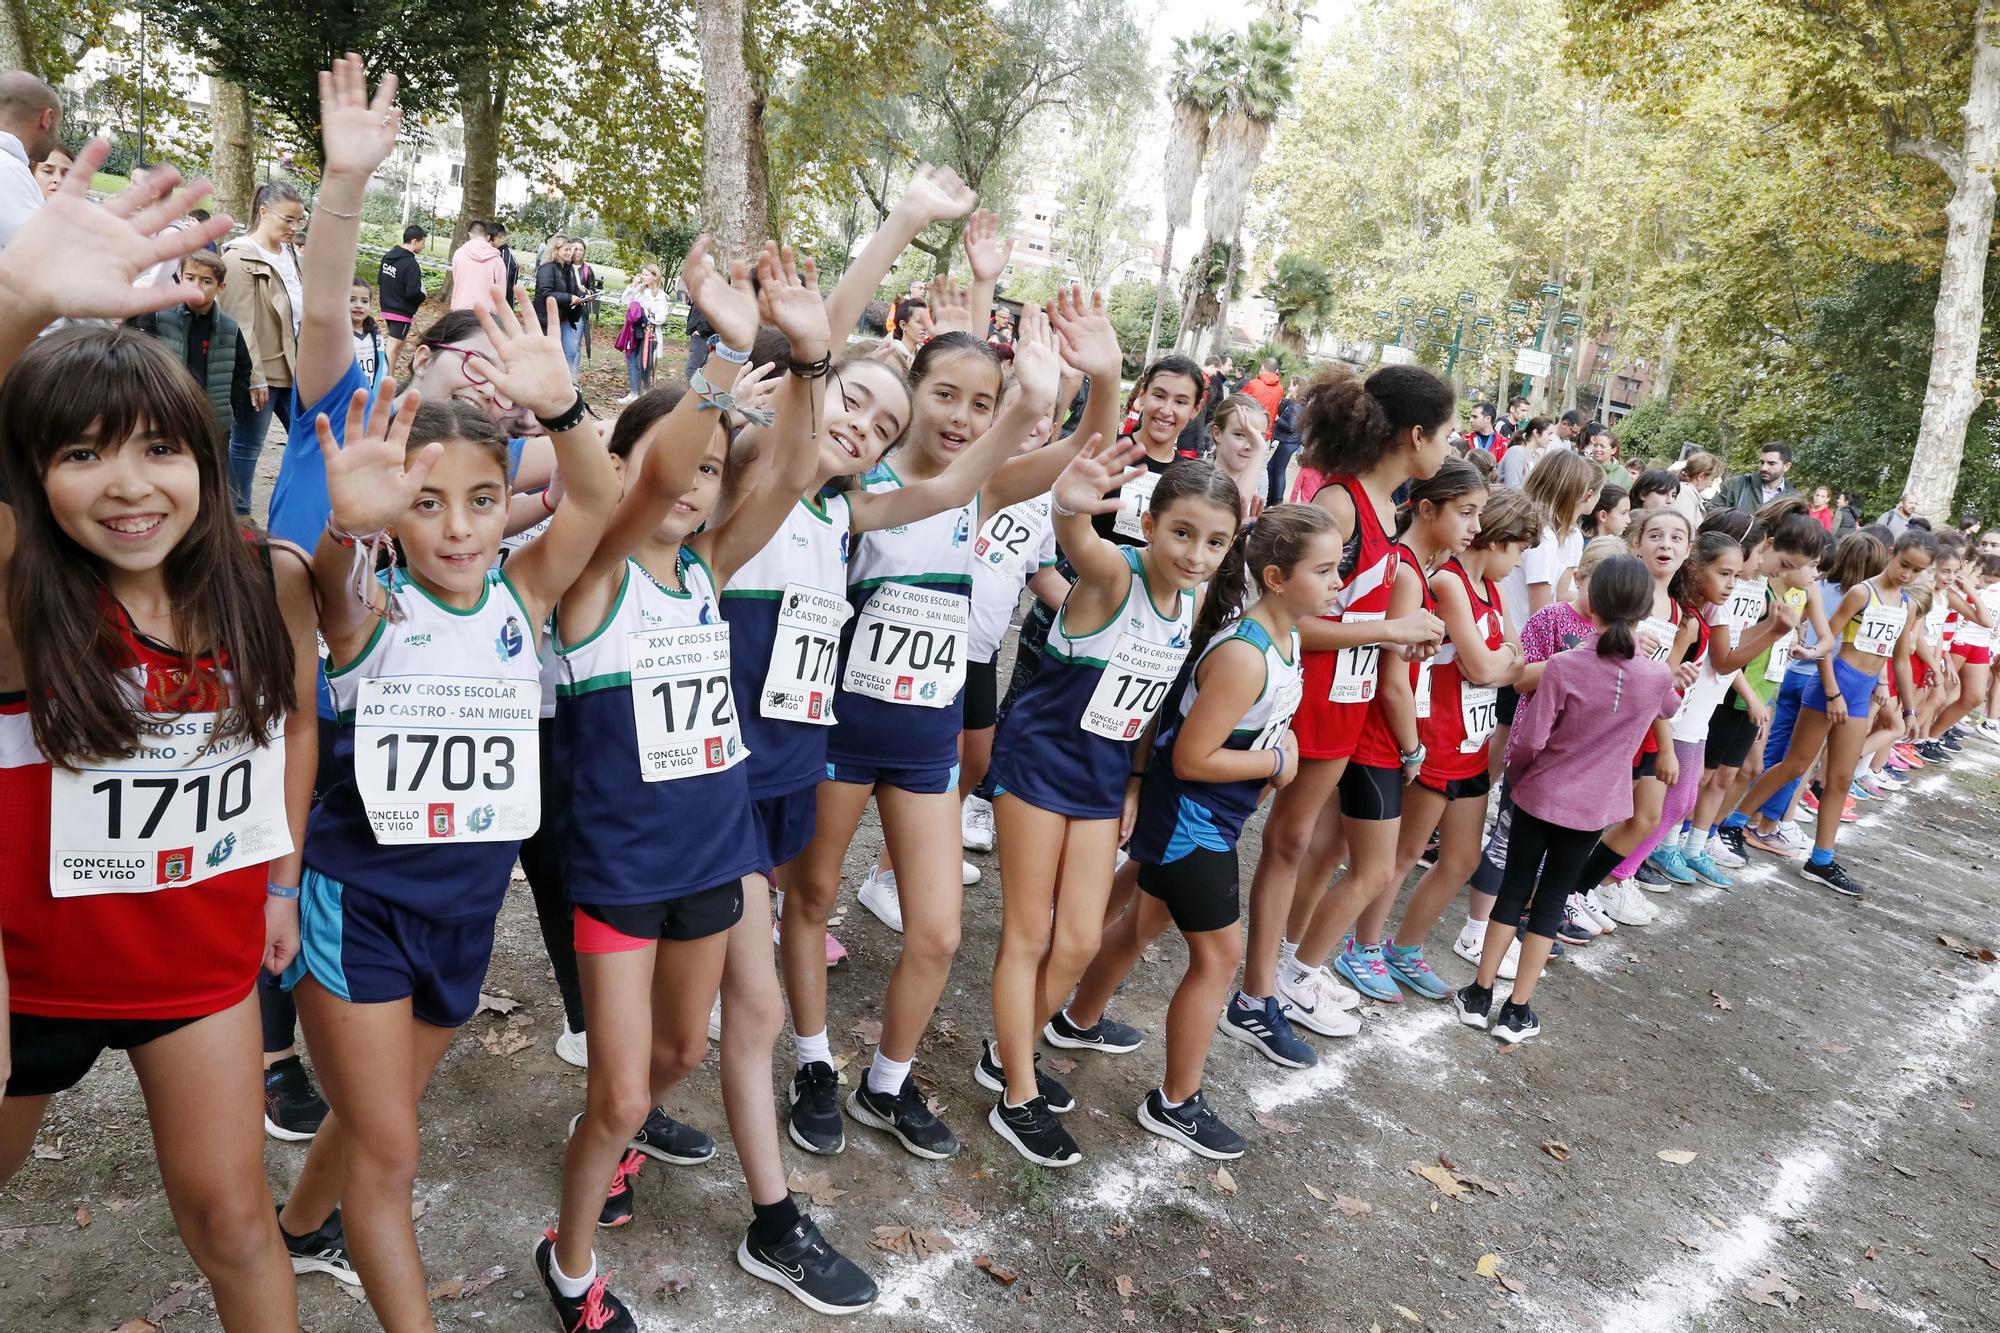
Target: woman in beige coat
264	295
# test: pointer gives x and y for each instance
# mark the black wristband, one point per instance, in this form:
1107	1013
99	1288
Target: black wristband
569	420
811	370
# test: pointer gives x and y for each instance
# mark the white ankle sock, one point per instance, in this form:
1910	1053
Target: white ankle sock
812	1047
886	1076
571	1287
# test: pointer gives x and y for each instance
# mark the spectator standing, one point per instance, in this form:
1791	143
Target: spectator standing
497	233
1285	441
1483	432
1517	416
1754	490
266	298
1897	520
701	338
477	269
556	278
645	303
30	116
402	286
1600	446
1530	443
593	287
205	339
1821	509
1569	430
53	170
1700	473
1269	390
1846	513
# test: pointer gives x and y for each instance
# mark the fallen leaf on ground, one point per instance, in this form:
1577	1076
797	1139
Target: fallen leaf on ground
1352	1207
815	1185
462	1288
1118	1230
1126	1286
1408	1315
661	1278
1488	1266
1556	1148
1687	1244
83	1217
1678	1156
495	1004
1272	1123
1315	1191
1223	1181
1975	951
181	1297
1902	1170
1446	1182
45	1153
1836	1048
1006	1277
417	1207
868	1031
1719	1002
137	1326
1869	1254
1129	1315
450	1289
960	1213
1060	1065
1514	1285
1988	1260
1771	1289
911	1242
1863	1301
504	1042
1479	1183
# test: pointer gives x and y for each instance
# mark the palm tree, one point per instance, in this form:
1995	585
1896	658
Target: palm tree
1301	291
1196	88
1260	86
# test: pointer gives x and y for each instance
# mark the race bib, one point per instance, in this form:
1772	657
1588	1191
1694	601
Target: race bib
1133	503
1131	688
1970	633
1283	709
1354	668
1663	633
170	815
1004	541
1479	712
1881	626
1781	657
1746	604
1422	689
909	647
682	708
449	758
798	683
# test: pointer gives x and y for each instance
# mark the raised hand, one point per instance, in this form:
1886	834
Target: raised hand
1037	368
371	479
356	134
985	248
727	300
935	194
788	299
1090	484
78	260
951	305
756	389
528	365
1085	334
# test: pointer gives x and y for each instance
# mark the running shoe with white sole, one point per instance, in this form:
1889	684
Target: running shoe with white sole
1830	874
1035	1132
1725	848
1517	1023
1192	1125
715	1019
904	1116
1668	859
1571	931
988	1074
1473	1003
1367	971
1468	944
1598	902
293	1108
975	825
815	1122
1409	968
1707	871
665	1139
1266	1026
878	894
1776	843
1576	913
1311	1002
1107	1034
322	1251
573	1048
968	874
595	1311
1628	906
621	1198
801	1262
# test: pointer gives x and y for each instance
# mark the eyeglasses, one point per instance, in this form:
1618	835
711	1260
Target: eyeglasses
475	372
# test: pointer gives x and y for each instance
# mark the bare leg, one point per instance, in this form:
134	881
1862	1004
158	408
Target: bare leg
1287	832
922	830
753	1014
812	883
1458	854
1198	1002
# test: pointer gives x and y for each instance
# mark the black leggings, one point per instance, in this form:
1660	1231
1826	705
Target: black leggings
1559	853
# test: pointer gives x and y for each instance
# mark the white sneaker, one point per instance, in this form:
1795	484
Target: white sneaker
1629	906
1718	852
1314	1002
1583	916
1798	840
878	895
573	1048
715	1020
1119	864
1510	963
968	875
1468	945
1594	905
975	825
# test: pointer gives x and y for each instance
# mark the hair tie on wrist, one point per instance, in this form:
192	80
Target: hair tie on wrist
811	370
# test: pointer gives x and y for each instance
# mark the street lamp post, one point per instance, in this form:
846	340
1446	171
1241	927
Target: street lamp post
1549	298
1466	302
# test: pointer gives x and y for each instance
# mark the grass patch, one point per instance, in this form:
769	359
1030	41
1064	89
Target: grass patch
106	183
1030	1188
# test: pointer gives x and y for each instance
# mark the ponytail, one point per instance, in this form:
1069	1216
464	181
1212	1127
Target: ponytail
1620	595
1224	602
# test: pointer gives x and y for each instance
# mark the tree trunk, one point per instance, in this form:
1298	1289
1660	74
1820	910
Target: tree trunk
482	102
1574	373
1160	294
234	161
733	199
1663	373
1952	393
1222	341
17	38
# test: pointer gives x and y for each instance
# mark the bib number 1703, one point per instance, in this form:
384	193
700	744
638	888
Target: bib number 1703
461	762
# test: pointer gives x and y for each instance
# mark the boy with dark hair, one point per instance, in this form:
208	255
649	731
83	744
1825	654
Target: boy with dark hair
207	341
402	287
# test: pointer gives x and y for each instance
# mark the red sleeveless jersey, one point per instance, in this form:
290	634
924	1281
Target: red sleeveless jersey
181	951
1326	728
1377	746
1445	756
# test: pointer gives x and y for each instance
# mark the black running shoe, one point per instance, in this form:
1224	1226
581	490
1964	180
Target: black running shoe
1035	1132
994	1079
1950	742
596	1311
1931	752
904	1115
293	1109
1648	875
1517	1023
1474	1005
619	1199
816	1125
1732	838
1105	1034
1832	876
812	1270
323	1251
1572	931
1192	1125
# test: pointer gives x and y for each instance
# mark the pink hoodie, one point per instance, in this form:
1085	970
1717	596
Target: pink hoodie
476	270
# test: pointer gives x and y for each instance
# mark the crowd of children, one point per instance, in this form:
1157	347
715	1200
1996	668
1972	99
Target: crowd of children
667	667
